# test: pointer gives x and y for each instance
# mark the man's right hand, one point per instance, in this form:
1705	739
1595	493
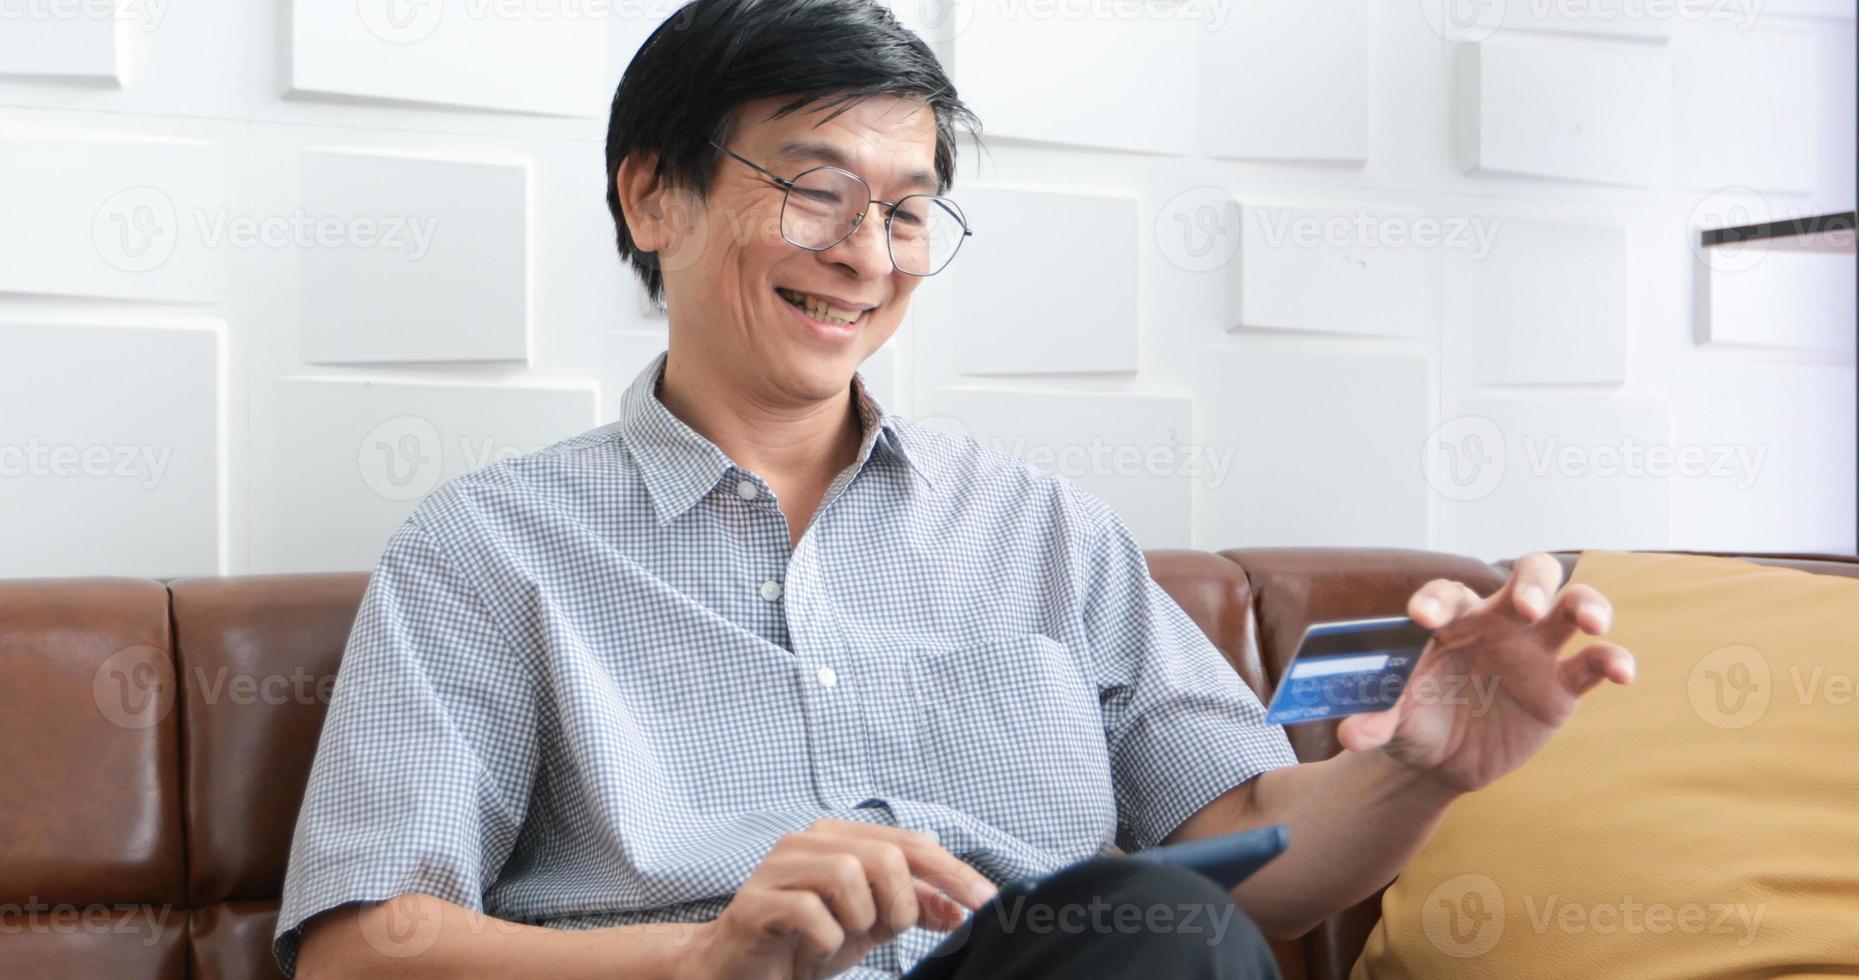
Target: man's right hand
826	896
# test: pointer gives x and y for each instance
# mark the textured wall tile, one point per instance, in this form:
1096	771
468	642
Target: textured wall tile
1795	299
1326	448
1007	53
1522	474
428	259
109	449
1048	283
1748	111
507	56
1573	109
1333	270
363	454
1550	305
1134	451
1770	456
1288	79
84	43
115	217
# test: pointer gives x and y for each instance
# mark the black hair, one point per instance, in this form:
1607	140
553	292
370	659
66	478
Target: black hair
711	56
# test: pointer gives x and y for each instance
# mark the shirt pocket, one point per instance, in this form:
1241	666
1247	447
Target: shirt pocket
1011	731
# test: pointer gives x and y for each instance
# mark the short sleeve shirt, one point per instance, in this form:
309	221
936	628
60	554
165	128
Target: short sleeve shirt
594	684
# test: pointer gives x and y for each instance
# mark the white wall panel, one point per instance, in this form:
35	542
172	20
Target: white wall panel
1802	300
1331	270
1146	102
1651	22
1771	456
430	262
1550	304
110	448
85	43
162	57
1514	475
1573	109
362	455
1325	446
1045	286
464	53
89	214
1083	304
1133	451
1288	80
1748	111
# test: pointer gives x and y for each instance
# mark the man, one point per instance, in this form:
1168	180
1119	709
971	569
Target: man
760	681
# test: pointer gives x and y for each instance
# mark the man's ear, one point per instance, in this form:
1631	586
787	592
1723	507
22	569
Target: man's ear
642	200
662	218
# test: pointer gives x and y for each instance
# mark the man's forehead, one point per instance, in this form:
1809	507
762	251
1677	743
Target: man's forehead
884	136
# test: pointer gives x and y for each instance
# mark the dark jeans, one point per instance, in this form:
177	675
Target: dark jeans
1109	917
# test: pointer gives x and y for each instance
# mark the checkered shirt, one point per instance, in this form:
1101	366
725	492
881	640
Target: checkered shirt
592	685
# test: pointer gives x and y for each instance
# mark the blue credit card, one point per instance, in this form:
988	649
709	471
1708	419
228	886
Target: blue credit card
1348	668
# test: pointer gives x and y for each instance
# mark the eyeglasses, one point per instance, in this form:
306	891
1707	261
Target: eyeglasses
824	206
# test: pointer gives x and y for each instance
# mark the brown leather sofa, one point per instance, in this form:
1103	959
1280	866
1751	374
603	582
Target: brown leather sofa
160	735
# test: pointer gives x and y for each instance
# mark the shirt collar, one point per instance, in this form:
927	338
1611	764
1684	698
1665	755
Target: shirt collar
680	466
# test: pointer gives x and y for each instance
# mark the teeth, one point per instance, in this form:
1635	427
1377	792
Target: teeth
818	309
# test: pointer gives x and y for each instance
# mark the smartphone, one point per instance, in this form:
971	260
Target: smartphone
1227	859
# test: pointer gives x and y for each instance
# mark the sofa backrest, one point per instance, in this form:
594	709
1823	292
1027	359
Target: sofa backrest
161	736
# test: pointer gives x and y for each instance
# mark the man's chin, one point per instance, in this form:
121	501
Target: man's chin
810	376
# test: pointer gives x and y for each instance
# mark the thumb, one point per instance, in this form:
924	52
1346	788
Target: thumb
1366	732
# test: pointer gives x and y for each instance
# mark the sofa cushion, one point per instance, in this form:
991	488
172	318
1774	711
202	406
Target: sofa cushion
1702	821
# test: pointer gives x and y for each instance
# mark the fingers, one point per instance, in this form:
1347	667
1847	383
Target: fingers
801	917
812	863
940	913
1440	602
1580	608
925	858
1595	663
1365	732
1526	596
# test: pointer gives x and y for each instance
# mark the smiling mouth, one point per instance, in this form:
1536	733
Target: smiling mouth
821	310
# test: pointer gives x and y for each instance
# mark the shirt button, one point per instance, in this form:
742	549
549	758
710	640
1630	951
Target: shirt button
827	677
771	590
746	490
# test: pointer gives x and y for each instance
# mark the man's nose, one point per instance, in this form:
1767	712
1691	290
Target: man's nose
866	251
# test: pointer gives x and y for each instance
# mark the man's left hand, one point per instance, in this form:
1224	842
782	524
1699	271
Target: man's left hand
1491	688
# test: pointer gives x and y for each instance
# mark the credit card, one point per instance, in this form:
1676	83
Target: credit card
1348	668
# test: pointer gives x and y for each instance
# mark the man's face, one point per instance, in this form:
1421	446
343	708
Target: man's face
730	298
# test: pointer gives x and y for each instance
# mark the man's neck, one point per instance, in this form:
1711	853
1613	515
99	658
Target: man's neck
786	443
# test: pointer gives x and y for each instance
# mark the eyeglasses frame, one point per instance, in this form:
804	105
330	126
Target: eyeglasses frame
787	186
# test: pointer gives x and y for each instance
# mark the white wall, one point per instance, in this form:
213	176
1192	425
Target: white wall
271	271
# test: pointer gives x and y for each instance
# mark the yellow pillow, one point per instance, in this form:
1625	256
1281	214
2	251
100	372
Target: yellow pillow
1700	822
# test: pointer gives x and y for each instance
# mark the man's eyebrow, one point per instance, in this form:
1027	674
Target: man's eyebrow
801	149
